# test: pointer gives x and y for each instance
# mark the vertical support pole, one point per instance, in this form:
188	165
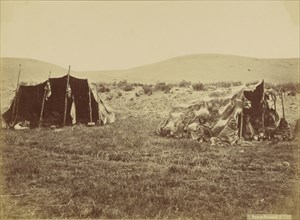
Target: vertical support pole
15	105
274	99
98	100
66	97
263	115
90	104
282	103
97	93
44	98
242	118
263	104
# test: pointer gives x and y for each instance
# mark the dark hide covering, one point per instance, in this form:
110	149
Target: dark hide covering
255	97
29	102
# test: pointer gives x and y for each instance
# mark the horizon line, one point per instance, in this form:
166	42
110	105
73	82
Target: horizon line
133	67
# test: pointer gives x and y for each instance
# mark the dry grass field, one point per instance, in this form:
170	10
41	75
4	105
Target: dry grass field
125	170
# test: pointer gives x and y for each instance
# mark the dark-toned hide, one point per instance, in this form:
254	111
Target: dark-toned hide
29	103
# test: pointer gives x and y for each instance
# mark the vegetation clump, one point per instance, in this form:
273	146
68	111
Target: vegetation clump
184	84
126	86
162	86
147	89
198	86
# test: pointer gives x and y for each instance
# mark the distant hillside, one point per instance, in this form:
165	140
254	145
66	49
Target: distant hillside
38	71
209	68
203	67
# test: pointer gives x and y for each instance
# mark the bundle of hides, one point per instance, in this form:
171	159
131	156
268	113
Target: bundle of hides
283	131
192	122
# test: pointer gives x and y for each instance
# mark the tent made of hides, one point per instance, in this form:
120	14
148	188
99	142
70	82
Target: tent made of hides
83	104
221	119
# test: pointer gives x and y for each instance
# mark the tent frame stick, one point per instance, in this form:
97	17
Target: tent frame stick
282	103
17	110
98	105
263	116
15	105
66	97
90	104
263	104
274	100
242	119
43	102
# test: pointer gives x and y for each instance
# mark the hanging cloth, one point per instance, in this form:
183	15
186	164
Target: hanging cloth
73	111
69	91
48	90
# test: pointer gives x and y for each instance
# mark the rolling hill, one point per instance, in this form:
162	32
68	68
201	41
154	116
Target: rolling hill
38	71
200	67
210	68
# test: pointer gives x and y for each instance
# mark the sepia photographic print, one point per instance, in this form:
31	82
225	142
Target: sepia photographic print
150	110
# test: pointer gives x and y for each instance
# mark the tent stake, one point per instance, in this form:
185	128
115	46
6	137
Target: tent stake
43	102
66	97
13	117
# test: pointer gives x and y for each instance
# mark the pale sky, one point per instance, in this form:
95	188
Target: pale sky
118	35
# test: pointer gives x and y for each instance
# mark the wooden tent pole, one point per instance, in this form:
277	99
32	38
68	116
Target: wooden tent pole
242	118
275	104
282	103
274	100
90	104
13	117
98	100
97	95
263	117
66	97
263	108
44	98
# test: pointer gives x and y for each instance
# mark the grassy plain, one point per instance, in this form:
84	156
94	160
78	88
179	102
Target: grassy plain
125	170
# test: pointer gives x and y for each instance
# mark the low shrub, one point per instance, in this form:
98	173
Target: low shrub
184	83
121	84
162	86
124	85
147	89
137	84
288	87
226	84
103	89
292	87
128	87
198	86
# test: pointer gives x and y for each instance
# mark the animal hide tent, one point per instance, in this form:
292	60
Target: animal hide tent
27	104
226	126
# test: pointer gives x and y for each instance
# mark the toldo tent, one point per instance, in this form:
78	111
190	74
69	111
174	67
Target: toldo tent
250	113
66	101
250	105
